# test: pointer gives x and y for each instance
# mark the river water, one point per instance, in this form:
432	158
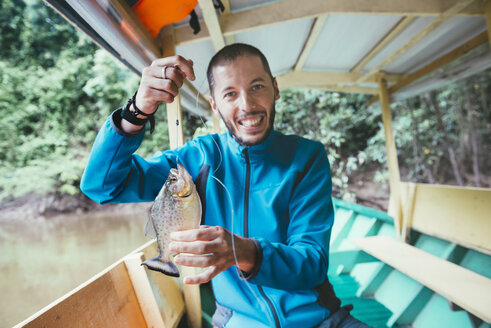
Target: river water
43	259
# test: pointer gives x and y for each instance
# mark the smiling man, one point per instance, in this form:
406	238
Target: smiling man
276	204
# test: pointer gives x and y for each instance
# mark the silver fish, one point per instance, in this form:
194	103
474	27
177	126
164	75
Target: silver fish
177	207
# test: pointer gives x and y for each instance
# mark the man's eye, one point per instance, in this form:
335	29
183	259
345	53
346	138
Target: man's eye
229	94
257	87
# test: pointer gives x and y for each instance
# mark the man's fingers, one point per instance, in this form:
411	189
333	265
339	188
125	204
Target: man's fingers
205	233
171	73
163	85
186	66
201	261
198	247
202	277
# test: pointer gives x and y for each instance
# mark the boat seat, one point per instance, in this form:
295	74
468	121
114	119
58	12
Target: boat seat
465	288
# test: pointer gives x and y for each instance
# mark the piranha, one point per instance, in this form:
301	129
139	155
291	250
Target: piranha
177	207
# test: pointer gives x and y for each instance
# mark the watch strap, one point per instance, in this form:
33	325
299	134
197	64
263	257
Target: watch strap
131	116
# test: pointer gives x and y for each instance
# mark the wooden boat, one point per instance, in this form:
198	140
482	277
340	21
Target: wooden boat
425	263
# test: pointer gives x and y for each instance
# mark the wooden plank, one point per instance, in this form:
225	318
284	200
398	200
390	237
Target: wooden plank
392	162
376	279
106	300
216	123
408	314
443	60
143	290
301	79
212	24
229	39
386	39
348	259
452	11
343	233
463	287
311	40
287	10
457	214
192	298
166	289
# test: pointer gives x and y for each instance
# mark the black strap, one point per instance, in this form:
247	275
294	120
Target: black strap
194	22
219	5
131	116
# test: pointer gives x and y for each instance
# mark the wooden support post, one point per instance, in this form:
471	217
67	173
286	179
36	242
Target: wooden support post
176	136
216	122
390	146
212	23
407	210
487	15
143	291
176	139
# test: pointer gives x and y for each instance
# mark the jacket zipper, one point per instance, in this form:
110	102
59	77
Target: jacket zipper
246	230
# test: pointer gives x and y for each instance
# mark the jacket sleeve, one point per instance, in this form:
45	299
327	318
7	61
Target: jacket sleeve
114	174
302	261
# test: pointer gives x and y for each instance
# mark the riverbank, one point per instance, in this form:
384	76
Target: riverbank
33	207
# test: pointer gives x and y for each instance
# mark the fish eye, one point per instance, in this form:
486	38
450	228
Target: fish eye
173	179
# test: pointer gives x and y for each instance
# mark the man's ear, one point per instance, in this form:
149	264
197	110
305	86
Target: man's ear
213	104
276	89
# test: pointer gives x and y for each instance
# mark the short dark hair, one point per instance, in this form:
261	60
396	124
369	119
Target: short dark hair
230	53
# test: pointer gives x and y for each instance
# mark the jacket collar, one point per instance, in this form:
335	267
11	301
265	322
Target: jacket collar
254	151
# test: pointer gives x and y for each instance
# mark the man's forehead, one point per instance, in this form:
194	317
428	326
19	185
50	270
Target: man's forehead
233	65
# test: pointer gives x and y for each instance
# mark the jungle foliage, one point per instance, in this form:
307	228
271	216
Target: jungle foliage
58	88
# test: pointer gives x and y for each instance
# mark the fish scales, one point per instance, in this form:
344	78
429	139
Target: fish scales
176	207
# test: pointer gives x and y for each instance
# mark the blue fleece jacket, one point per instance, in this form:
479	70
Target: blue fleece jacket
280	195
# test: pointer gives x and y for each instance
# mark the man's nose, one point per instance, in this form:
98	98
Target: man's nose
246	102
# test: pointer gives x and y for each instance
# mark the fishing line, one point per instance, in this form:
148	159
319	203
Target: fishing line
262	304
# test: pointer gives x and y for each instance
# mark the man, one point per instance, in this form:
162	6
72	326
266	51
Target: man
277	196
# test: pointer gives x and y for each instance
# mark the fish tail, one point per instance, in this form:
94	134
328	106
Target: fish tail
167	268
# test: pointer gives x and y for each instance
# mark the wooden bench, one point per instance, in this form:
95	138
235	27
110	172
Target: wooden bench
467	289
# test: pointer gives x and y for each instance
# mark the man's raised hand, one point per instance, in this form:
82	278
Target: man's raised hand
161	82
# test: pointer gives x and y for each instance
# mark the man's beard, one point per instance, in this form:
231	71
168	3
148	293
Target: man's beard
233	132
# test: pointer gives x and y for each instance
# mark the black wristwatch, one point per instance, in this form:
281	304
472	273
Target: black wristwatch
131	116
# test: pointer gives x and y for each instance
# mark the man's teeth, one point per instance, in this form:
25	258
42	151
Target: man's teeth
251	122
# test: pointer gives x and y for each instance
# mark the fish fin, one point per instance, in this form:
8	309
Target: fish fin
149	228
167	268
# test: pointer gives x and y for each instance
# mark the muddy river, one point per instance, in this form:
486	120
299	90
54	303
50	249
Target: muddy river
42	259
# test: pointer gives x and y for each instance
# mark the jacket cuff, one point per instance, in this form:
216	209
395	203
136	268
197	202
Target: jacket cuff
247	276
115	119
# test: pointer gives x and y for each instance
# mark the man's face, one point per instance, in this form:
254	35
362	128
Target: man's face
244	97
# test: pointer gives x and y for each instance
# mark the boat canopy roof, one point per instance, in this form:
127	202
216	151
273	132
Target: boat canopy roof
343	46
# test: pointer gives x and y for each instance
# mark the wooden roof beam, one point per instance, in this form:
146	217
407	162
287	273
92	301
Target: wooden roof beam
211	21
229	39
452	11
311	39
445	59
391	35
302	79
487	15
287	10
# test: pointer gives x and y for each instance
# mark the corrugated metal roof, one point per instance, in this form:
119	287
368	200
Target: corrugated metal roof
345	39
281	29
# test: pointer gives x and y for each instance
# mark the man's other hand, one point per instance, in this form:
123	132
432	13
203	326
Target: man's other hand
160	82
211	247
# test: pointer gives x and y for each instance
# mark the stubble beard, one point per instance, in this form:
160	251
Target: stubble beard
244	143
